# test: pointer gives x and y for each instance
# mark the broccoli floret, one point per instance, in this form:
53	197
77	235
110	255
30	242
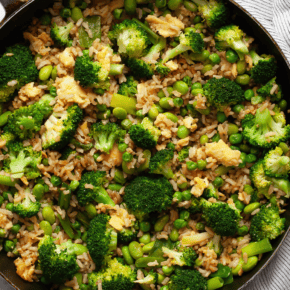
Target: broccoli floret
91	73
106	135
231	36
22	161
188	41
7	137
210	191
185	256
67	152
264	69
43	105
86	195
161	163
58	263
114	276
131	39
279	116
148	194
60	127
216	245
151	278
183	154
128	88
188	279
195	206
214	12
101	239
26	207
20	67
223	92
221	217
145	135
267	223
126	236
60	34
262	130
275	164
265	91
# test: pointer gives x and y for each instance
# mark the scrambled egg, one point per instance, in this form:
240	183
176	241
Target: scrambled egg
223	153
116	222
190	123
30	92
120	219
165	125
167	26
172	65
66	58
199	186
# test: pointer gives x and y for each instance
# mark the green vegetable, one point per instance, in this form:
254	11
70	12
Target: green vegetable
127	103
161	163
94	23
60	34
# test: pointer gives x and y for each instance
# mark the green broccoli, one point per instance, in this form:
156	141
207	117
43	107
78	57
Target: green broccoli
67	152
223	92
58	263
148	194
151	278
91	73
210	192
214	12
60	127
188	41
231	36
161	163
262	130
106	135
264	67
189	279
131	39
22	161
195	206
221	217
126	236
275	164
113	276
216	245
7	137
26	207
184	256
86	195
128	88
101	239
279	116
146	69
267	223
265	91
183	154
145	135
20	67
60	34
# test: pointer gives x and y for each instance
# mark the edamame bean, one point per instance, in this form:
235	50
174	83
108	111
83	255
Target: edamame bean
115	187
120	113
251	158
166	12
182	132
196	92
2	233
130	6
145	239
203	139
45	72
239	205
179	223
9	206
119	177
251	207
145	227
101	107
135	250
237	269
160	3
238	108
192	7
46	227
284	147
232	129
161	94
249	94
38	191
160	278
147	248
91	210
206	68
4	118
181	87
251	263
171	117
166	103
231	56
236	138
126	124
283	105
161	222
191	165
243	80
197	19
248	189
48	214
214	58
167	270
186	195
201	164
218	182
174	4
243	230
174	235
127	256
241	67
221	117
153	113
76	14
139	114
177	196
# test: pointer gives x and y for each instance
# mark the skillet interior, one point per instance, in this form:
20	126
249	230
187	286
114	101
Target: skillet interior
16	24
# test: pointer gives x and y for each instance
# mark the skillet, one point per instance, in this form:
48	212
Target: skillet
18	18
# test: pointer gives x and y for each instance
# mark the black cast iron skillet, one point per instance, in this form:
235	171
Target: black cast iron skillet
11	32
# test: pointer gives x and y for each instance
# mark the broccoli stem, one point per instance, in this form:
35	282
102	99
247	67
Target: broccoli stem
200	2
282	184
284	160
240	47
168	173
255	57
152	35
116	69
113	241
64	200
160	45
6	180
257	248
83	219
66	225
180	48
103	196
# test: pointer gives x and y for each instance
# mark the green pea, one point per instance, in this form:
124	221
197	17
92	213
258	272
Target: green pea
238	108
115	187
192	7
242	231
166	102
174	4
186	195
104	115
243	80
251	207
283	105
65	13
76	14
139	114
119	177
241	67
196	92
221	117
117	13
231	56
191	165
200	226
4	118
38	191
243	158
284	147
160	3
55	180
196	86
45	72
46	227
218	182
148	247
2	233
182	132
201	164
120	113
200	26
167	270
160	223
188	29
127	256
174	235
249	94
233	129
248	189
45	19
130	6
251	158
153	113
214	58
216	137
239	205
145	239
177	196
179	223
197	19
203	139
101	107
236	138
135	250
122	147
48	214
170	91
74	185
184	215
206	68
171	117
178	102
251	263
8	246
161	94
9	206
198	262
200	57
126	124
